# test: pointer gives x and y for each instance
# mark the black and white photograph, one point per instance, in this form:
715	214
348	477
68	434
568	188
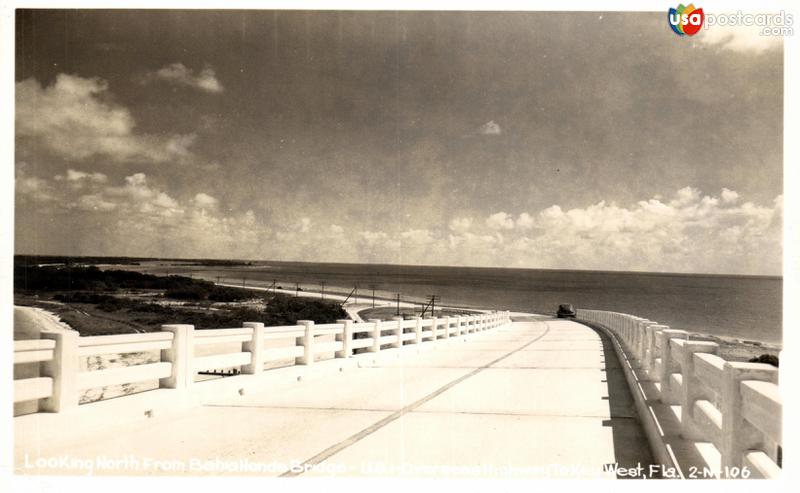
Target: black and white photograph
467	242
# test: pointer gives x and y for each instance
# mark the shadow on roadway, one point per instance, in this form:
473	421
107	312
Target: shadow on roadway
631	448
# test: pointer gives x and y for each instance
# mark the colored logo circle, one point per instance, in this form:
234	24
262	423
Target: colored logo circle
685	20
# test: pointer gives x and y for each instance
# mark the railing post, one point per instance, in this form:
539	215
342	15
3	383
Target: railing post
625	325
637	338
307	341
180	354
633	329
63	369
376	335
458	325
738	435
692	389
645	342
346	338
255	347
649	349
434	323
398	332
447	321
668	364
418	331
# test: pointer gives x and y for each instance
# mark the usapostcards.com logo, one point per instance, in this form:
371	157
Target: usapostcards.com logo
686	20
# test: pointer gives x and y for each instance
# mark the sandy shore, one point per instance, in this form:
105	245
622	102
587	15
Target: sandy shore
733	349
30	321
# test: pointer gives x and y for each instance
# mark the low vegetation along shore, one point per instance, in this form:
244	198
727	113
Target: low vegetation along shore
101	302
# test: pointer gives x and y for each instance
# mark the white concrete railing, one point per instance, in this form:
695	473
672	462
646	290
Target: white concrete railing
60	380
735	406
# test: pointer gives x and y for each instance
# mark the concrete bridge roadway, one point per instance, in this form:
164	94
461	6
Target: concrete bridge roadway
535	399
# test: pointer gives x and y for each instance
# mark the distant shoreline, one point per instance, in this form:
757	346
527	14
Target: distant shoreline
736	348
459	290
203	262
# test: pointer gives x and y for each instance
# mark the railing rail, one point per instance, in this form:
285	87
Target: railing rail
736	406
60	382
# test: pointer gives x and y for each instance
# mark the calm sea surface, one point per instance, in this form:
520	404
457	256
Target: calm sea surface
730	306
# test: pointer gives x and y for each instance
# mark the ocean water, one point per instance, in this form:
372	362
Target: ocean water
742	307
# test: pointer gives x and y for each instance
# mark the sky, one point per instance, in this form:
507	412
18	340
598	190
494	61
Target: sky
582	140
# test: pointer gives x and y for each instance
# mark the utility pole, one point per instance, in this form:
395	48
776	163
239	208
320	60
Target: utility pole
356	297
348	296
323	290
398	304
244	281
373	296
218	281
432	303
296	289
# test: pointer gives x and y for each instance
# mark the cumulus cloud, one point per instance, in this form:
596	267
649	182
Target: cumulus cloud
490	128
33	189
525	221
500	220
685	196
460	224
729	196
179	74
135	197
77	177
205	201
376	246
686	231
691	232
421	237
137	217
75	118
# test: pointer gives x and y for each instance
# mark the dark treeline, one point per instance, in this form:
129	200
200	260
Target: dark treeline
101	288
69	278
34	260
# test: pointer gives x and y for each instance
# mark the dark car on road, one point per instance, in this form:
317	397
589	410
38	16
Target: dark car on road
565	311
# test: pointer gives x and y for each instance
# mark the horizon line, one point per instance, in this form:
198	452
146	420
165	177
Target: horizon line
611	271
